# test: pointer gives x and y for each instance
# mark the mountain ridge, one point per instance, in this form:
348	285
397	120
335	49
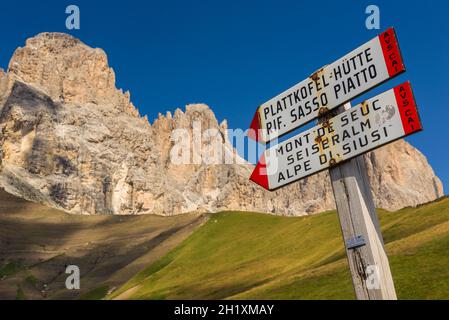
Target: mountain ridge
72	140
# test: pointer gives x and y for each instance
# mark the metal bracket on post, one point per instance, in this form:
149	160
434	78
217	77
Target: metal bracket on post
355	242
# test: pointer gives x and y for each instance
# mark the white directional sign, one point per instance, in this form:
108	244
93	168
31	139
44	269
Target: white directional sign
364	68
378	121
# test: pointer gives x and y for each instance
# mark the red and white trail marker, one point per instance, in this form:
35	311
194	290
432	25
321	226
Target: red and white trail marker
380	120
333	85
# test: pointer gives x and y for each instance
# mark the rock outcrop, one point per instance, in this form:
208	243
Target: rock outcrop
71	140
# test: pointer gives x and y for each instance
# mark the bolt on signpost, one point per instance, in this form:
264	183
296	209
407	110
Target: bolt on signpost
337	143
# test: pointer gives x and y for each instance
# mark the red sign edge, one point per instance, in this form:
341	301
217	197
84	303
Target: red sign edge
392	52
259	174
405	99
254	128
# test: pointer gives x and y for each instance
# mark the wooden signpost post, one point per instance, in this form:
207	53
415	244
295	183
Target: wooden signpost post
343	134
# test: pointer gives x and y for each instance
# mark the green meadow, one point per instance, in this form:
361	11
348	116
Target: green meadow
241	255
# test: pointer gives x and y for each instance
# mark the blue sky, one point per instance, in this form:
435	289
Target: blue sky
235	55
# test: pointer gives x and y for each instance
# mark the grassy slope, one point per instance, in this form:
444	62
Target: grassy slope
37	242
254	256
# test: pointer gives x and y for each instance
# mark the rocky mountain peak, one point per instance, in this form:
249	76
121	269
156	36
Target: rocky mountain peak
200	108
70	139
53	42
68	71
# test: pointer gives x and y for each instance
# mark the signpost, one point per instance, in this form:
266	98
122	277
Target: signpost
387	117
333	85
338	142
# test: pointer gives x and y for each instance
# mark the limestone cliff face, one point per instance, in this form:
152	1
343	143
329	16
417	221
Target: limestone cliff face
70	139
